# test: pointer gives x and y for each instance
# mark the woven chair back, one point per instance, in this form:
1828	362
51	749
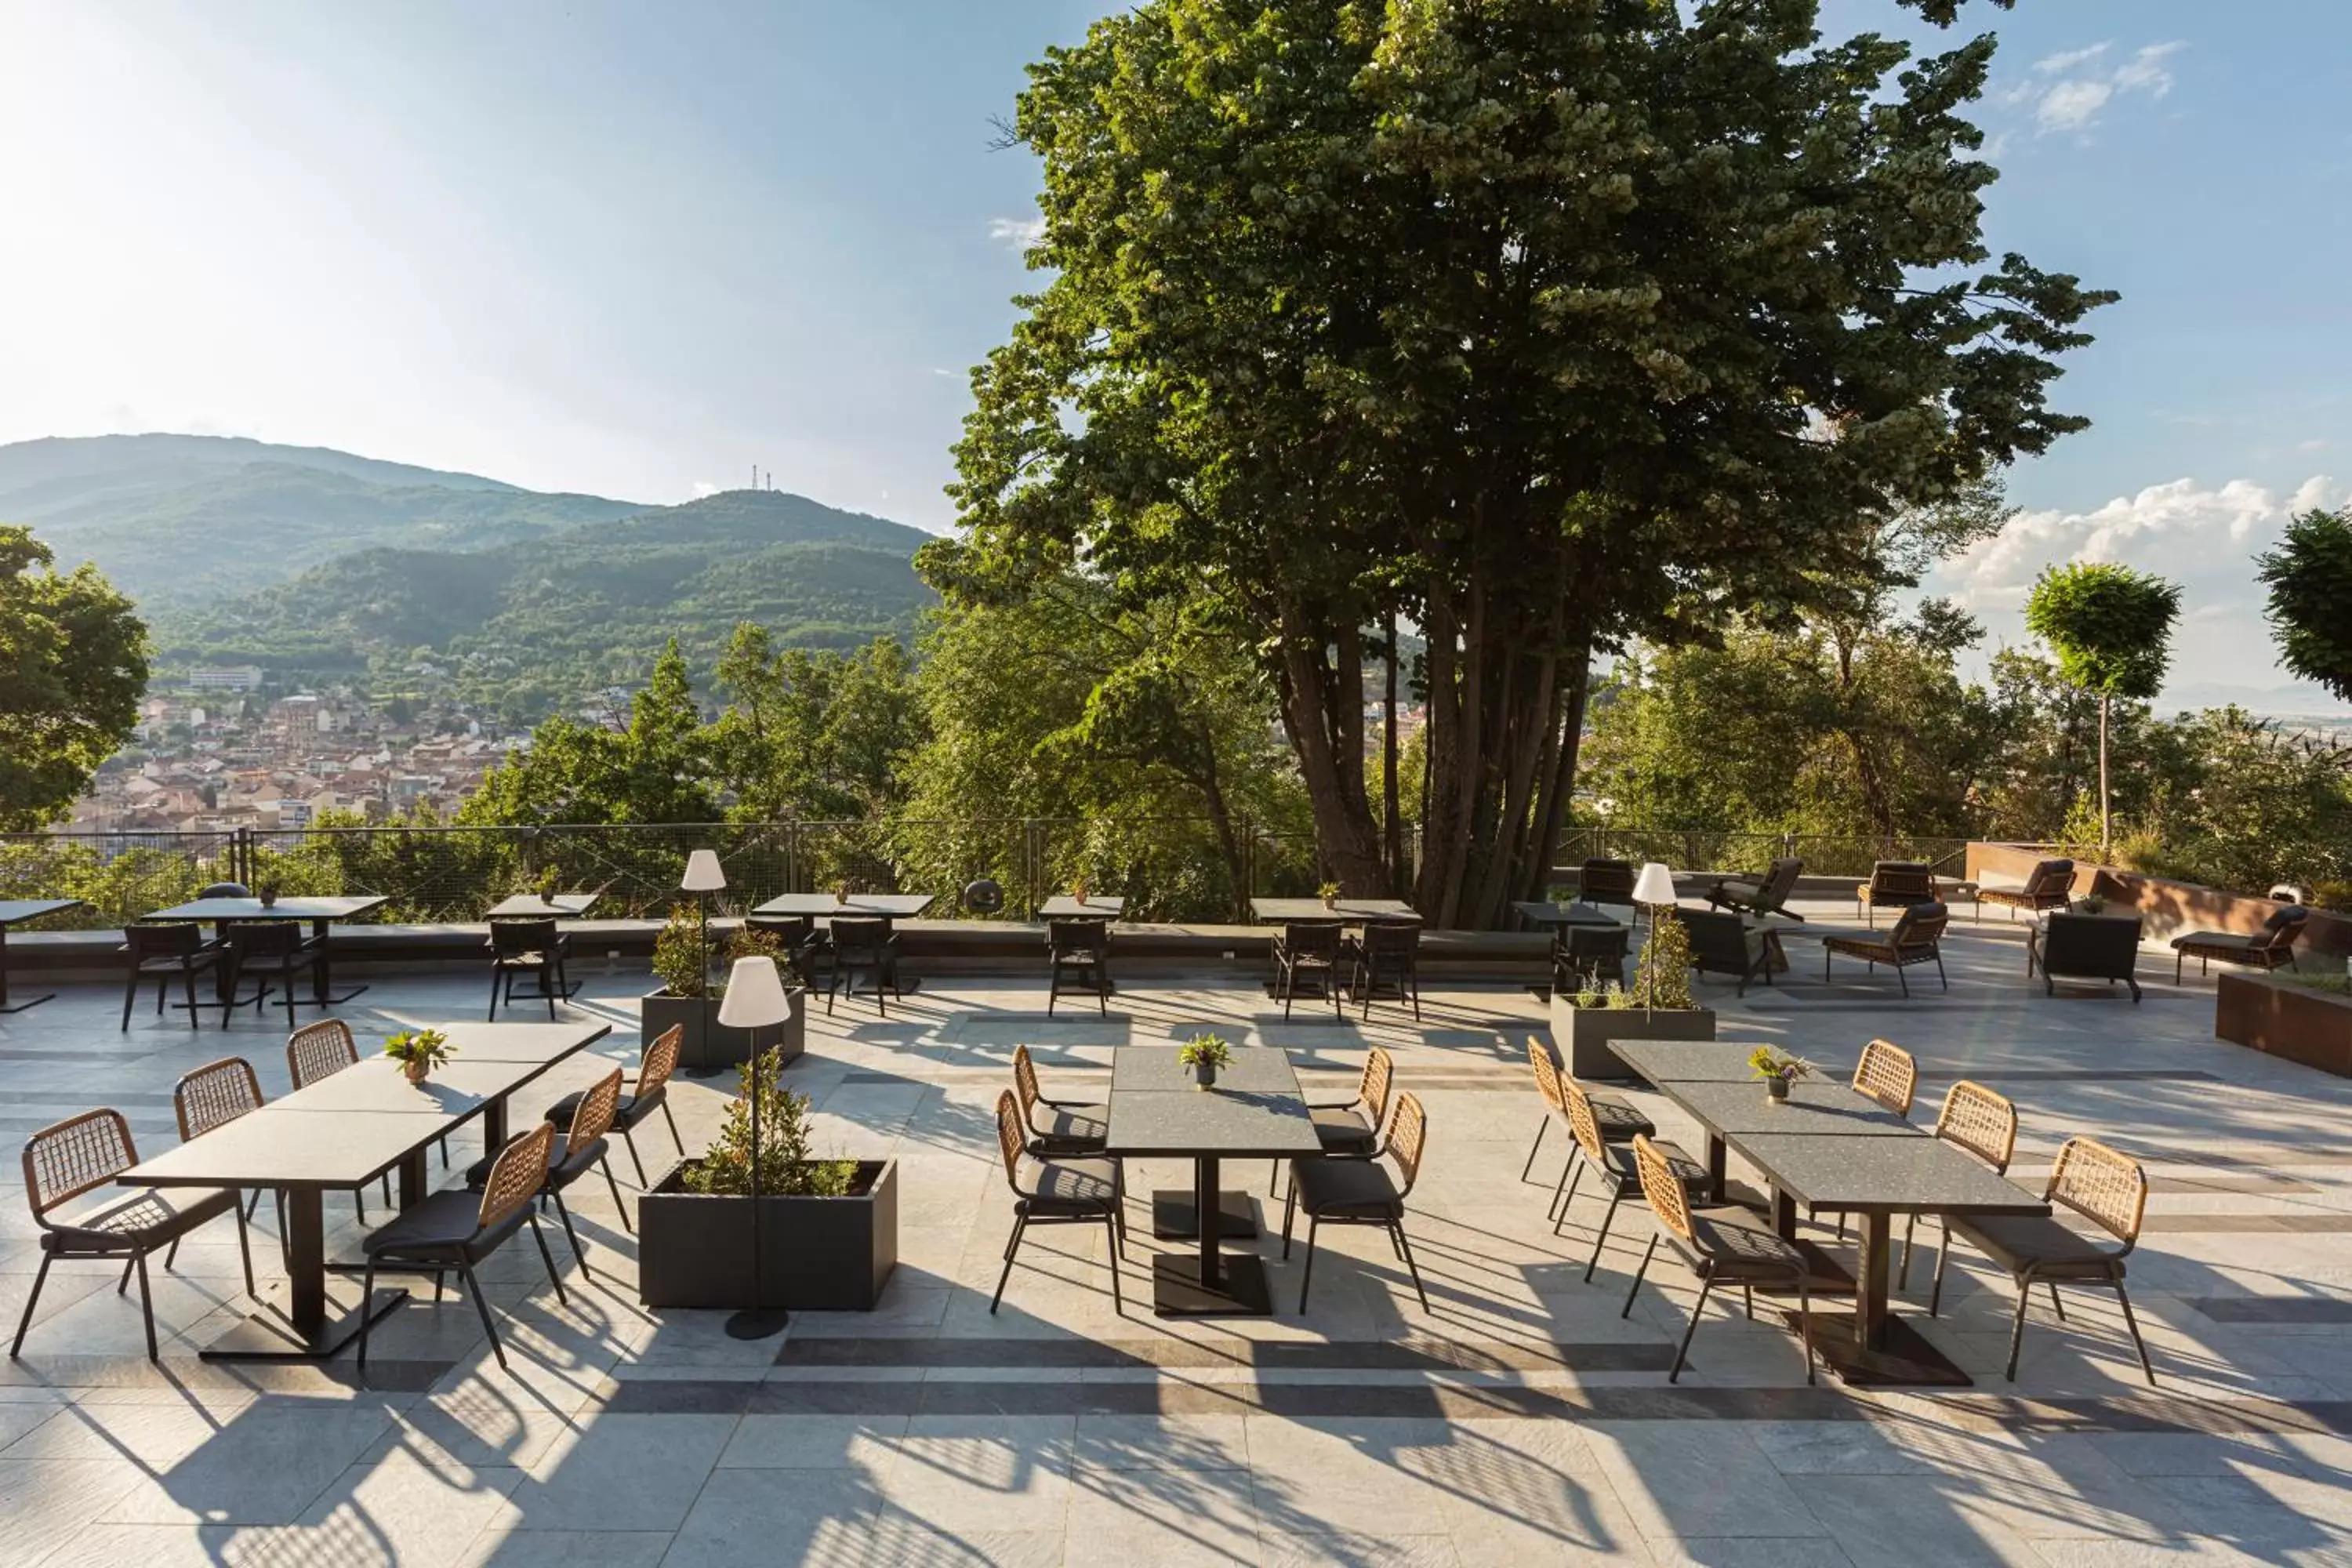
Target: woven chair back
1580	1120
1024	1082
214	1095
1663	1188
178	940
1547	1074
1380	1076
1887	1074
72	1157
320	1050
660	1060
1980	1120
1408	1136
1606	882
2104	1185
1312	940
598	1108
1009	1143
1921	925
520	1171
521	939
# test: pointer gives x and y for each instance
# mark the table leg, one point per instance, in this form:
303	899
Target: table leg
321	985
1204	1199
494	1124
306	1259
1209	1283
309	1316
1717	1159
1873	1348
1871	1282
413	1183
6	1006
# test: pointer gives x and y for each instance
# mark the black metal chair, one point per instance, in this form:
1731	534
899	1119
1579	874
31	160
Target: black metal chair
865	944
1722	1246
1080	948
83	1154
804	943
271	953
1606	882
650	1093
529	947
1388	959
1721	943
2067	946
1583	955
1361	1191
1307	952
163	951
1057	1191
453	1230
581	1150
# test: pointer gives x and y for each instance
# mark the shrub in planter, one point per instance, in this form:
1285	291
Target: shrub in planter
688	999
1658	1006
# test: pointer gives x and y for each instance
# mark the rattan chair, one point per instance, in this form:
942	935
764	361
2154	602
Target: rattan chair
273	953
535	948
1605	882
1361	1191
1894	885
1985	1124
1388	959
649	1092
213	1095
2104	1186
1722	1246
579	1150
2265	950
1918	938
1615	1163
1617	1119
1080	948
1056	1128
321	1050
1351	1129
868	945
2049	886
86	1153
1765	895
453	1230
1308	953
1583	955
164	950
1056	1192
1888	1075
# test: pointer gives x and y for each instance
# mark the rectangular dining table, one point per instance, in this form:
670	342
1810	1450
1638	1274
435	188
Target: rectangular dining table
1098	906
1255	1111
322	911
1540	913
1348	911
544	906
823	906
339	1135
14	912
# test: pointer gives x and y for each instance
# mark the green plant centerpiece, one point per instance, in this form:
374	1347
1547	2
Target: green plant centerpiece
419	1051
1779	1070
1205	1053
1329	892
267	893
788	1165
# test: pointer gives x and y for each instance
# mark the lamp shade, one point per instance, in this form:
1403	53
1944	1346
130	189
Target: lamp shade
1654	886
702	873
755	996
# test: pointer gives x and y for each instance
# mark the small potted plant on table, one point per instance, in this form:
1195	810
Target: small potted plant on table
418	1052
1779	1070
1204	1054
1330	895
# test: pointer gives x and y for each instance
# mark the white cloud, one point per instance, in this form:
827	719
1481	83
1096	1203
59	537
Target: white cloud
704	488
2051	65
1020	233
2069	90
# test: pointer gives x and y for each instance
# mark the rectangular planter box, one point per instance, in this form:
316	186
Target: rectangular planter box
817	1254
708	1045
2282	1019
1581	1035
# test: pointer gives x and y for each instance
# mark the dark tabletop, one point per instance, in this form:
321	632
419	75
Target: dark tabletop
271	1148
1827	1109
15	910
337	907
547	906
1255	1110
1276	911
1102	906
376	1083
1898	1175
900	906
1255	1069
1662	1061
1576	914
474	1040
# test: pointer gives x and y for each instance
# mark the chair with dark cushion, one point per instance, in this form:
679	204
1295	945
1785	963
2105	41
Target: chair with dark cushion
1606	882
1361	1191
82	1154
2068	946
649	1093
1056	1191
1617	1165
1617	1119
2049	886
1081	950
1585	955
273	953
579	1150
2265	950
1721	943
1056	1128
1918	938
1984	1123
163	951
2102	1186
1351	1129
214	1095
1306	953
1388	959
321	1050
455	1229
1765	895
535	948
868	946
1894	885
803	944
1722	1246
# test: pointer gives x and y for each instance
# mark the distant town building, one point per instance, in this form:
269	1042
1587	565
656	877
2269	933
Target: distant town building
227	677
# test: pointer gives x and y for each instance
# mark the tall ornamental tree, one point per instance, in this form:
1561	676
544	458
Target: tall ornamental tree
2111	628
1541	325
2310	580
73	664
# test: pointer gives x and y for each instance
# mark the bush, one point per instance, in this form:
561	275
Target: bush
678	956
786	1168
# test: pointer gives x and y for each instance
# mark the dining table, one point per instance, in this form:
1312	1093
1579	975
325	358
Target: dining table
1255	1110
544	906
1348	912
824	906
1098	906
1828	1148
340	1133
15	911
1548	916
322	911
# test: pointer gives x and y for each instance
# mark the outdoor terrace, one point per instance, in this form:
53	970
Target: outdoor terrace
1521	1420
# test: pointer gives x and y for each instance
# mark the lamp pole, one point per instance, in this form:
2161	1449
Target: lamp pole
755	1000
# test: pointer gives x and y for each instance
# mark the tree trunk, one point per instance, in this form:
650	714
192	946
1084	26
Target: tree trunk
1322	689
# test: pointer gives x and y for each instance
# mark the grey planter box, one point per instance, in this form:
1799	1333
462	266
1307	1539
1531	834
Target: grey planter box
831	1255
709	1045
1581	1035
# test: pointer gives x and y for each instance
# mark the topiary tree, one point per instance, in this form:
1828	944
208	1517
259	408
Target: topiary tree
2111	627
2310	611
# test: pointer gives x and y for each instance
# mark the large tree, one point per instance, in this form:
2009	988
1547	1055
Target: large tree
2111	627
1545	324
2309	576
73	664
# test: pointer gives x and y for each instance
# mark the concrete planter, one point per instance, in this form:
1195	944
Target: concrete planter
2280	1018
1581	1035
831	1255
709	1045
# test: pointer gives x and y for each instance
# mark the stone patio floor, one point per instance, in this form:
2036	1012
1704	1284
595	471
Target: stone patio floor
1520	1421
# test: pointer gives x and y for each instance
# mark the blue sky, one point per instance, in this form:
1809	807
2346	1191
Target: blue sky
638	250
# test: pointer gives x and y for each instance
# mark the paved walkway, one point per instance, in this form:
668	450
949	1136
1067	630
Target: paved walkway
1521	1421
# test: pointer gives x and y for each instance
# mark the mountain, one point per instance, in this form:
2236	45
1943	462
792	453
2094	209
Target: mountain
2299	700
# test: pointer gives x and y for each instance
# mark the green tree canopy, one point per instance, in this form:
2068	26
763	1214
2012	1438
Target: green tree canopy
2111	627
73	664
1545	324
658	769
2310	610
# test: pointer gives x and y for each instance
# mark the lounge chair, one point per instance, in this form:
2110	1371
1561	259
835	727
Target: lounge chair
1766	895
2051	887
2084	947
1606	882
1722	944
1894	885
1918	938
2265	950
